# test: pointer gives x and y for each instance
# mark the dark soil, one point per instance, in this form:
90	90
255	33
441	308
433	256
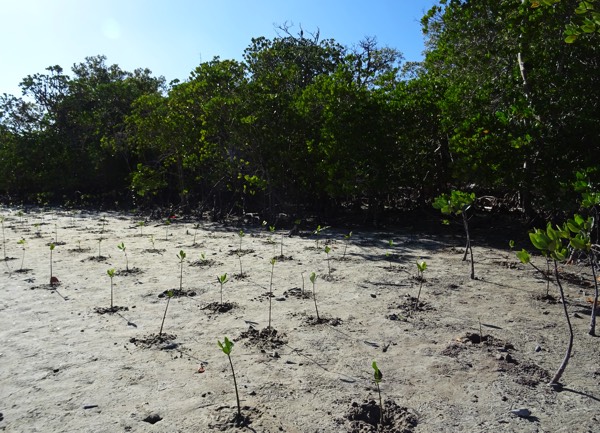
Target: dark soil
177	293
365	417
110	310
267	338
332	321
162	342
218	307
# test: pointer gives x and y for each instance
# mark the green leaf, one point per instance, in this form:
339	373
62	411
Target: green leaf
523	256
226	346
539	240
571	38
377	372
313	277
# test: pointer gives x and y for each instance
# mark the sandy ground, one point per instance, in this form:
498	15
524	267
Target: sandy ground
65	367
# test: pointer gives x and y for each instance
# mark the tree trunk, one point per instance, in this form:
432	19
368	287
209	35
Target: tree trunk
563	365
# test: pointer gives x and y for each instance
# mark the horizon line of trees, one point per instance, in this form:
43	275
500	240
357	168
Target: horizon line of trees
500	105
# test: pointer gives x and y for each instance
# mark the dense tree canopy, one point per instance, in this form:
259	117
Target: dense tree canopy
501	105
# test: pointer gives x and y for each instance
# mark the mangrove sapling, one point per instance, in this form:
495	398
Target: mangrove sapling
181	257
226	347
3	238
377	375
141	225
239	256
389	253
346	241
525	258
421	266
317	233
122	247
222	279
280	246
22	243
582	229
273	261
458	203
551	242
196	227
313	280
169	294
52	279
302	275
167	224
99	248
111	274
327	251
241	235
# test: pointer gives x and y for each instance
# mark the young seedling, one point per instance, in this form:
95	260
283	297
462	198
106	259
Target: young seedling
239	256
525	258
3	237
458	203
551	242
421	266
122	247
317	233
241	235
55	232
99	250
141	225
196	227
377	376
302	275
313	280
167	224
273	261
222	279
51	274
152	242
169	296
181	257
111	274
389	254
22	243
346	241
327	251
226	346
582	229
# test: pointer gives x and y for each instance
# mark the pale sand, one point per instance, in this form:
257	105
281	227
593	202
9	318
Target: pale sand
66	368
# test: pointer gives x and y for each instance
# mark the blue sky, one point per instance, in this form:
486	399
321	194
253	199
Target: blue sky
171	37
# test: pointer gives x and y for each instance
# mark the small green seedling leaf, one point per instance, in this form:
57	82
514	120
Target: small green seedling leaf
111	273
377	375
222	279
523	256
226	346
421	266
313	277
181	256
511	244
121	246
